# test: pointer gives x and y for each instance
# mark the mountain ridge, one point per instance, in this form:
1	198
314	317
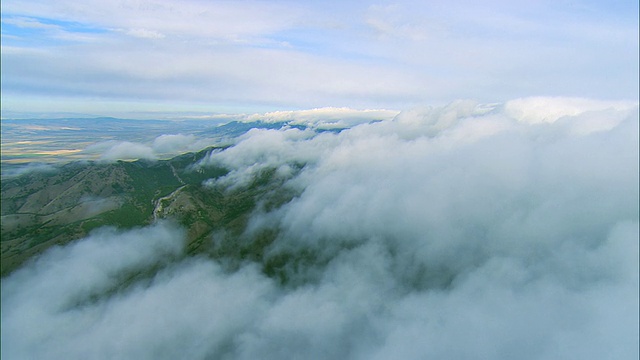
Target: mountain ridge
40	210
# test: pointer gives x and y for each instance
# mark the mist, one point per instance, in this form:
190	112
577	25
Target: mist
467	231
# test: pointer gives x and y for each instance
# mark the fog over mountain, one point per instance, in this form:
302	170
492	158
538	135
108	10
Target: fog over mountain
467	231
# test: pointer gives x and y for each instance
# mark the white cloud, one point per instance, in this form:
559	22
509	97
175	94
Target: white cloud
545	109
192	18
260	149
325	118
126	150
93	205
394	23
186	311
450	232
145	34
173	144
30	23
18	170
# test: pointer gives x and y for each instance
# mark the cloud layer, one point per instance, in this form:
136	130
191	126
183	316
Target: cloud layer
466	231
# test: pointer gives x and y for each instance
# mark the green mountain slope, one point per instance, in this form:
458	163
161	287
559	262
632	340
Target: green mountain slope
40	210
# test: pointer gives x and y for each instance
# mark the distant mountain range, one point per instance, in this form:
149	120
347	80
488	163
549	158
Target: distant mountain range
55	140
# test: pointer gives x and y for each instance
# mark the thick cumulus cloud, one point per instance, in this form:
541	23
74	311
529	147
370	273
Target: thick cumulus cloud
325	118
519	206
466	231
67	304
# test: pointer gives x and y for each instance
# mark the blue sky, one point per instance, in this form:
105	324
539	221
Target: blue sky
244	56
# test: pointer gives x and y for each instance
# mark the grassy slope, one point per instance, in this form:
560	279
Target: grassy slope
40	210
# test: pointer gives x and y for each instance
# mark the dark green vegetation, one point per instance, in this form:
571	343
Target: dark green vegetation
42	209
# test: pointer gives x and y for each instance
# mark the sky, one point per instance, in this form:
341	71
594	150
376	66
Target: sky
100	57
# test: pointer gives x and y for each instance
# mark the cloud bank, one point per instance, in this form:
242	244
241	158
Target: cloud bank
465	231
169	145
325	118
